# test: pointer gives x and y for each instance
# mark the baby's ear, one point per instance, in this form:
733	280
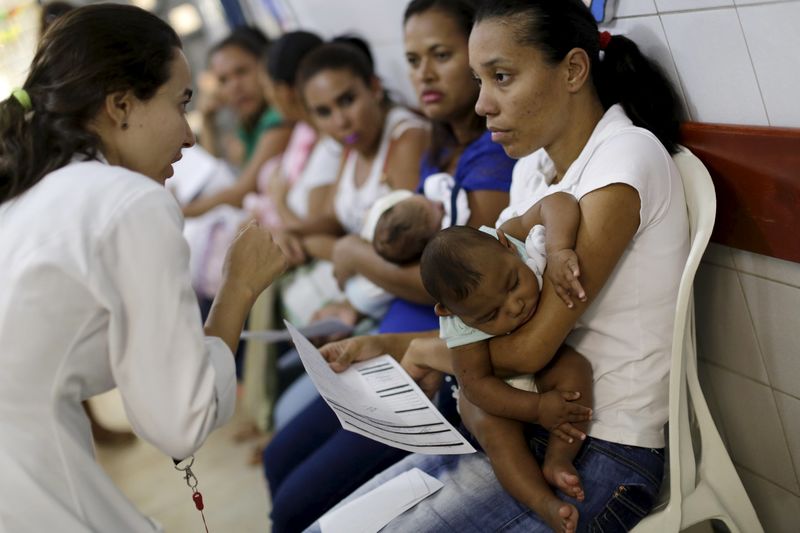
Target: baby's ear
441	310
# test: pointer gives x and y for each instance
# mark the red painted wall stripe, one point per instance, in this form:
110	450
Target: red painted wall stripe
756	172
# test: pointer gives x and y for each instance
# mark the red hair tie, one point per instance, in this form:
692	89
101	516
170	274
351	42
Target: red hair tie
604	39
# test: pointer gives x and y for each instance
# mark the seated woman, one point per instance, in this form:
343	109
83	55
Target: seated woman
300	182
383	144
281	191
607	120
313	463
237	64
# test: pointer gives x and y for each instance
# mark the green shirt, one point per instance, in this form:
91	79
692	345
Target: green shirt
269	119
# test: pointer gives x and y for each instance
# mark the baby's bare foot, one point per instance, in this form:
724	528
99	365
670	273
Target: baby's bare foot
562	475
561	516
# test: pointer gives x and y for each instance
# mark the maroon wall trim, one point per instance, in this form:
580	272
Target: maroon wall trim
756	172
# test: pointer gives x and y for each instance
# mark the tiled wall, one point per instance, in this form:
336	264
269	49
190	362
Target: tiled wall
732	61
749	345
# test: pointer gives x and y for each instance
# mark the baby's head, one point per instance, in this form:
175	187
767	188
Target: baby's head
404	229
479	279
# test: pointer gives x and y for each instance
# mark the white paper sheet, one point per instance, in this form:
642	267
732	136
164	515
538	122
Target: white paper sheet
372	511
379	400
320	328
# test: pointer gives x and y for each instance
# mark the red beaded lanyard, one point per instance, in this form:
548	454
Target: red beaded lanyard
191	481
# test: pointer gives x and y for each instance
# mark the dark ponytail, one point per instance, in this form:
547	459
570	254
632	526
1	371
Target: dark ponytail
86	55
287	52
626	76
620	73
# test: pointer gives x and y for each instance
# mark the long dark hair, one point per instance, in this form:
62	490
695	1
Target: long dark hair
338	55
287	52
87	54
443	139
623	75
247	38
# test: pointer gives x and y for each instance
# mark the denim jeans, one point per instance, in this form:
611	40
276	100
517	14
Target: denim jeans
621	485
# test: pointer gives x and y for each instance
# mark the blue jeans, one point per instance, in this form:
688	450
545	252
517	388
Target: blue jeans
297	396
621	484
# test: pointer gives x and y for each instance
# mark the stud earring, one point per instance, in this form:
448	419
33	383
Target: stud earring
124	125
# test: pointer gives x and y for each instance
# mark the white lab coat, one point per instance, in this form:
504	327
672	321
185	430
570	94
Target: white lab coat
95	293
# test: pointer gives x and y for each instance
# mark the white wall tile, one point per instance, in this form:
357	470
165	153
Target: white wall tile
725	334
687	5
390	63
635	8
648	34
719	255
789	410
777	509
773	40
714	67
752	2
774	310
767	267
379	22
704	376
756	436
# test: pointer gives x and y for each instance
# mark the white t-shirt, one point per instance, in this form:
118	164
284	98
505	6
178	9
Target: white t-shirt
352	202
530	182
96	294
319	170
626	333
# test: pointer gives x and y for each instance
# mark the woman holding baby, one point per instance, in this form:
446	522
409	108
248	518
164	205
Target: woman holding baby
313	463
606	120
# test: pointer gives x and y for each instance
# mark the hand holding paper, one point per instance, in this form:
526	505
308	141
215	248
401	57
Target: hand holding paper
377	399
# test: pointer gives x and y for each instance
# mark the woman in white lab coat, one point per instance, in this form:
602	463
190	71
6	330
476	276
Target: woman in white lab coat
94	280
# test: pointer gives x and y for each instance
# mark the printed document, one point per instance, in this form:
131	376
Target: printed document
379	400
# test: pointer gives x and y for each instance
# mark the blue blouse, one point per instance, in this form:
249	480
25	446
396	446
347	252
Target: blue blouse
484	166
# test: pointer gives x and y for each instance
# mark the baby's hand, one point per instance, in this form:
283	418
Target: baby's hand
557	408
563	271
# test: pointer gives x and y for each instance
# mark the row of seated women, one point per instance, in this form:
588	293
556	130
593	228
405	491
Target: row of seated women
350	145
586	114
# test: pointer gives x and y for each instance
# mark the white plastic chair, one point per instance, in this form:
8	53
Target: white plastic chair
700	485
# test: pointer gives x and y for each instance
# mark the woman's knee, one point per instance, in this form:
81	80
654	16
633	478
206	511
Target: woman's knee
276	467
288	513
